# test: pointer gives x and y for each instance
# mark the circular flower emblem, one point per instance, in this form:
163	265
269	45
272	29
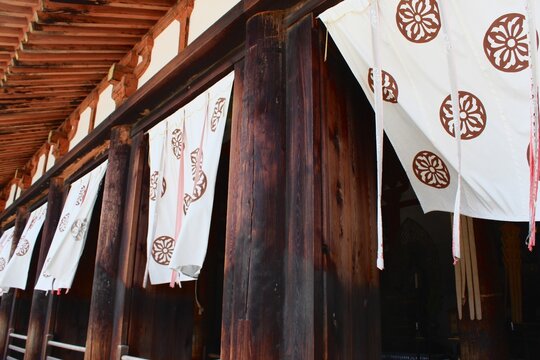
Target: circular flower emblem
390	87
78	229
431	170
177	143
162	249
22	247
217	113
472	115
418	20
2	264
62	225
153	186
506	45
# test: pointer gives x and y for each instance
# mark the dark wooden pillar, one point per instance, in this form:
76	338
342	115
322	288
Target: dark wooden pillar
486	338
128	245
8	300
303	269
254	280
100	327
351	279
38	325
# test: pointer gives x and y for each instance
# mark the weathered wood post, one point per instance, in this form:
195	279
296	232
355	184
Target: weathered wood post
254	264
8	300
302	333
128	245
39	316
100	326
351	279
486	338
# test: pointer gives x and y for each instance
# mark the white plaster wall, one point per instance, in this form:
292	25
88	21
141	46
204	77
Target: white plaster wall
105	105
164	50
205	13
50	160
82	128
39	168
11	196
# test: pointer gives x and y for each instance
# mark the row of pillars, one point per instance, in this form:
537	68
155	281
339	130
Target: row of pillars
106	283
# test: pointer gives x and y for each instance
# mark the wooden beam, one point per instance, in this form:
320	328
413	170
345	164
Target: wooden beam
60	70
38	37
12	21
6	118
51	17
37	326
80	48
97	30
21	2
41	57
17	10
133	12
101	318
8	40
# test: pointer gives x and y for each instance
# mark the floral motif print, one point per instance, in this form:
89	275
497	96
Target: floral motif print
472	115
390	87
506	44
78	229
431	170
199	177
22	247
177	143
418	20
2	264
162	249
153	186
216	115
36	218
82	195
62	225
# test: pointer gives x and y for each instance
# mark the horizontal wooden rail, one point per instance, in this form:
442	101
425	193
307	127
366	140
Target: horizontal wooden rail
66	346
10	358
17	349
127	357
18	336
52	358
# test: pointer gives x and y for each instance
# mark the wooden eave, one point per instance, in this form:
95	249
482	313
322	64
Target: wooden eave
53	53
200	65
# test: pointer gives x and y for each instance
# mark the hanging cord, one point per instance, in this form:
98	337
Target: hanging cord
199	306
326	46
457	132
379	123
533	137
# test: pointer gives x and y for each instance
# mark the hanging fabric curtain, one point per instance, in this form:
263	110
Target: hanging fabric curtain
6	242
184	156
15	274
164	161
70	235
489	51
